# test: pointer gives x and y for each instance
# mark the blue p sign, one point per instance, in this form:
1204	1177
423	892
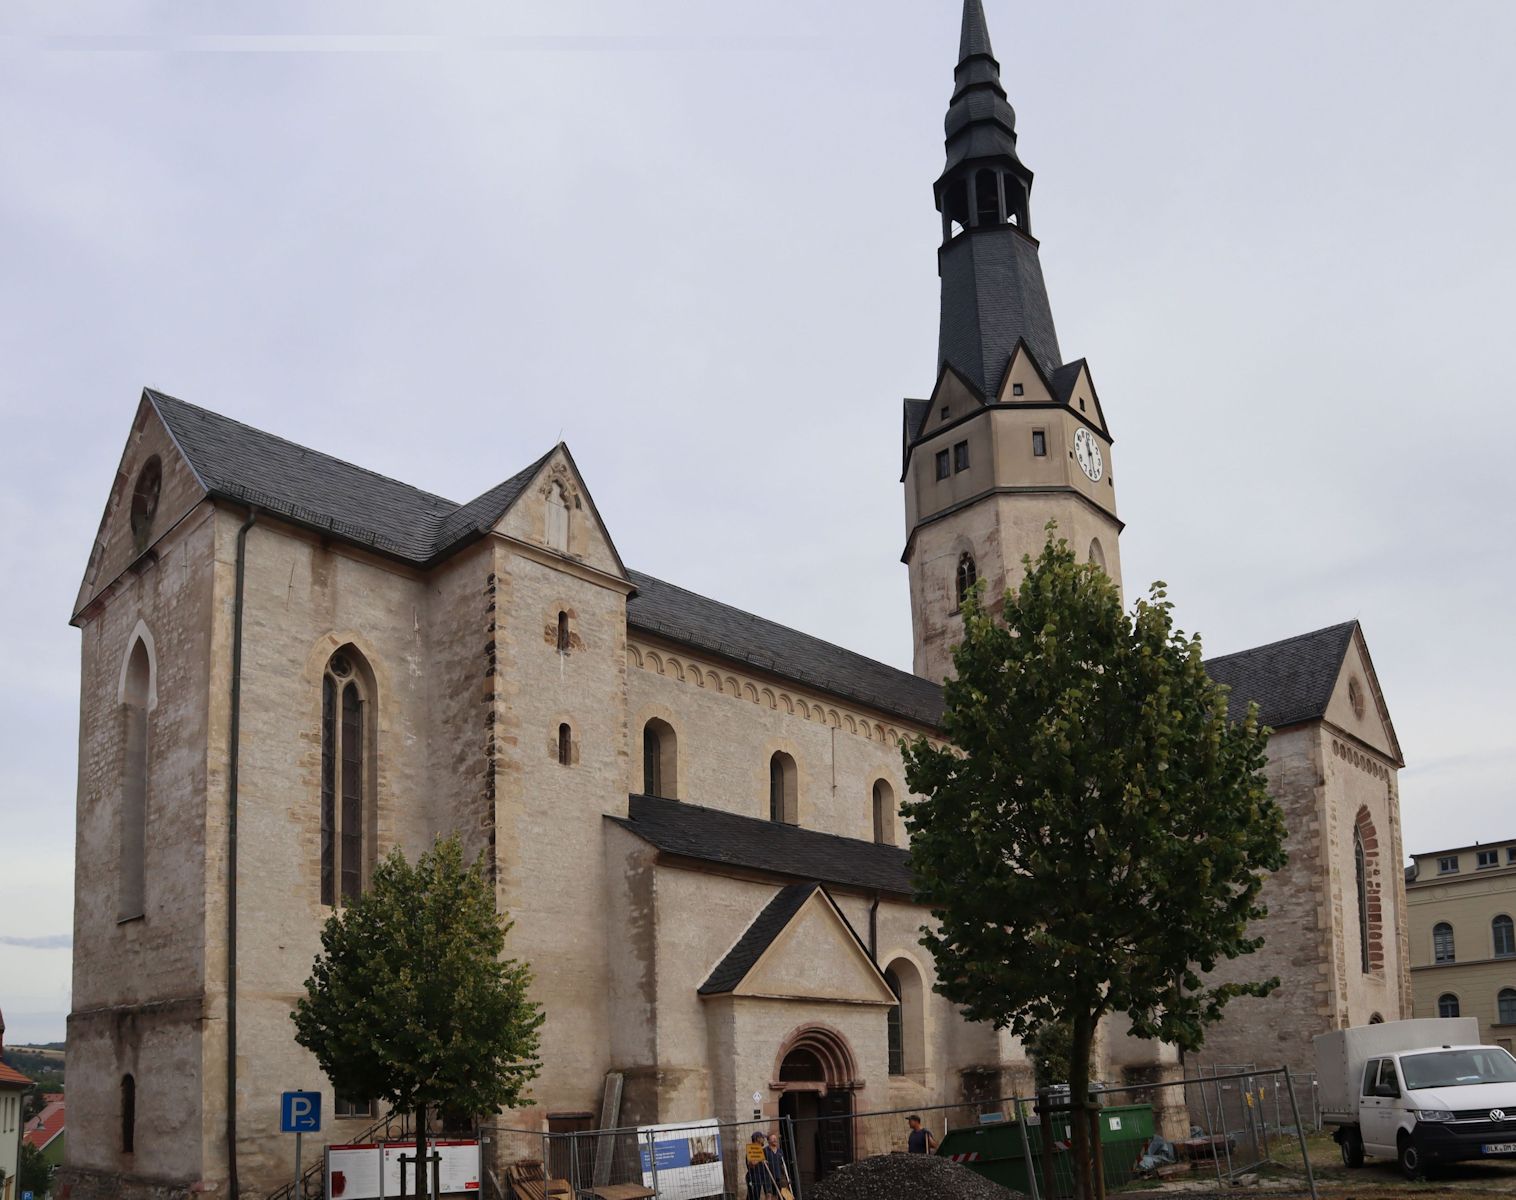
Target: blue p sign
300	1112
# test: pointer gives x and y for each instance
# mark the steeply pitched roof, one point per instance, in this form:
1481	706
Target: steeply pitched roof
695	620
1291	680
247	465
758	937
786	851
46	1125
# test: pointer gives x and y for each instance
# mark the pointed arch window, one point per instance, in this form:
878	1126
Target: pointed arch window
345	723
968	576
1361	875
136	695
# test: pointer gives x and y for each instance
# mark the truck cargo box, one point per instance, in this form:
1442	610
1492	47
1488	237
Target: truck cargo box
1340	1056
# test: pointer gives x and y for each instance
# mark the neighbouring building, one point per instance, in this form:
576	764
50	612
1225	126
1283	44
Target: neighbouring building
1461	908
46	1131
291	665
13	1086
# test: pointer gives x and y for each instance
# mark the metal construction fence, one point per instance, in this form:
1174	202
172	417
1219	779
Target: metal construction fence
1215	1132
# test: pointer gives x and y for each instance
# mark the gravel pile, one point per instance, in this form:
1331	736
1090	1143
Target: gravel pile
908	1177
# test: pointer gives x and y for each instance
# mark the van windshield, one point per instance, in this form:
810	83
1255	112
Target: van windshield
1457	1068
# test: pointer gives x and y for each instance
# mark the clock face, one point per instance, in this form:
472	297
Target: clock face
1087	452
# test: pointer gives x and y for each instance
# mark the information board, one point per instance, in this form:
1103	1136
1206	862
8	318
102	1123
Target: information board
688	1157
367	1171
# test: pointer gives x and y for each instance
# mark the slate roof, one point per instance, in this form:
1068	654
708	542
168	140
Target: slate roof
758	937
1291	680
727	839
695	620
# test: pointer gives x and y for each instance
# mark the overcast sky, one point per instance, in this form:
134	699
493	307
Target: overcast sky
696	240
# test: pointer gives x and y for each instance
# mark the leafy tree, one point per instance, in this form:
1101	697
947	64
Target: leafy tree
1095	836
33	1174
1049	1046
410	1002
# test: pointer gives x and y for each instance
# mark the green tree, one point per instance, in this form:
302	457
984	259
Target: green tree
410	1001
1049	1046
1094	836
32	1171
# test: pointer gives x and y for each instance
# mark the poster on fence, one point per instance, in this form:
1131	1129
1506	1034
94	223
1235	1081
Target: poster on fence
370	1170
688	1159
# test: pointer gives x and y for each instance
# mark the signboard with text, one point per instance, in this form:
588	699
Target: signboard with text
369	1170
688	1158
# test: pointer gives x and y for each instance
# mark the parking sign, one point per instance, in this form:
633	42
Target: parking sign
300	1112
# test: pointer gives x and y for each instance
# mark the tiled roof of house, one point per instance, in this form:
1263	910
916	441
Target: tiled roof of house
784	851
12	1078
45	1126
1291	680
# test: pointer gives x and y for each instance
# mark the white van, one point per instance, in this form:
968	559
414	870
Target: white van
1399	1090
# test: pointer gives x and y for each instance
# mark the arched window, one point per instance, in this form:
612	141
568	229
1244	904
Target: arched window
1366	878
1376	1019
145	501
132	867
801	1066
895	1032
1097	553
884	813
986	198
128	1114
563	633
1442	943
557	518
344	775
968	575
1447	1005
1361	875
1504	934
782	790
660	760
565	745
1505	1007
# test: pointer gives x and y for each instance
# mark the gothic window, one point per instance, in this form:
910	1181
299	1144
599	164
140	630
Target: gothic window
1366	877
944	467
968	575
1447	1005
895	1031
1504	936
960	457
1505	1005
1442	943
557	518
1039	443
132	867
563	633
782	790
1361	875
565	745
660	761
128	1114
884	813
145	501
1097	553
345	787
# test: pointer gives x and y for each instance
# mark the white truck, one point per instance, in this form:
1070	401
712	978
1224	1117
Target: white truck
1420	1092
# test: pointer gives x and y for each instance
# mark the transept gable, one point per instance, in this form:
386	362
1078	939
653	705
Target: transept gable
1357	705
554	511
800	946
154	486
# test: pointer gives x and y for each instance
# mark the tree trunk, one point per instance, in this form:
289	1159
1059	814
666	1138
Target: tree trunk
421	1177
1080	1154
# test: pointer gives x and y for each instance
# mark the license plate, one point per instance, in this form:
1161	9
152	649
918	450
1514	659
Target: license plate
1499	1147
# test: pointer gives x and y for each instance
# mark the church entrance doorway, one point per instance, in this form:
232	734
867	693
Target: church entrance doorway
816	1084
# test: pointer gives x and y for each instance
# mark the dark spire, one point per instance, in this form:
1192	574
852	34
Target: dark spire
992	289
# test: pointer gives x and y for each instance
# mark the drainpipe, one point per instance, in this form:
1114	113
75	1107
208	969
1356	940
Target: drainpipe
874	929
231	861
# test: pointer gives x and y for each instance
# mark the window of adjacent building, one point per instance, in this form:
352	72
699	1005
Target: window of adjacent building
968	576
894	1026
960	457
783	797
1447	865
346	1106
1447	1005
128	1114
1505	1005
884	813
1039	443
565	745
1510	855
131	899
944	465
1442	942
344	785
1361	874
1504	936
1486	858
659	759
1018	389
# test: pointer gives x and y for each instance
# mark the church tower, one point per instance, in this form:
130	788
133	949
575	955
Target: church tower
1013	437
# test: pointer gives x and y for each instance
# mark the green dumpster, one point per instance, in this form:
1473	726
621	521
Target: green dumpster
995	1151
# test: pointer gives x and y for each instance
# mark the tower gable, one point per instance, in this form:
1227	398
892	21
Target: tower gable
554	512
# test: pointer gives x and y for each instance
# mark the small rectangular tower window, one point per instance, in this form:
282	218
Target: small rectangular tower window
1488	858
1448	865
1017	389
1039	443
960	457
943	468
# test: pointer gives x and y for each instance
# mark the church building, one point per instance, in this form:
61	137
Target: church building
292	665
